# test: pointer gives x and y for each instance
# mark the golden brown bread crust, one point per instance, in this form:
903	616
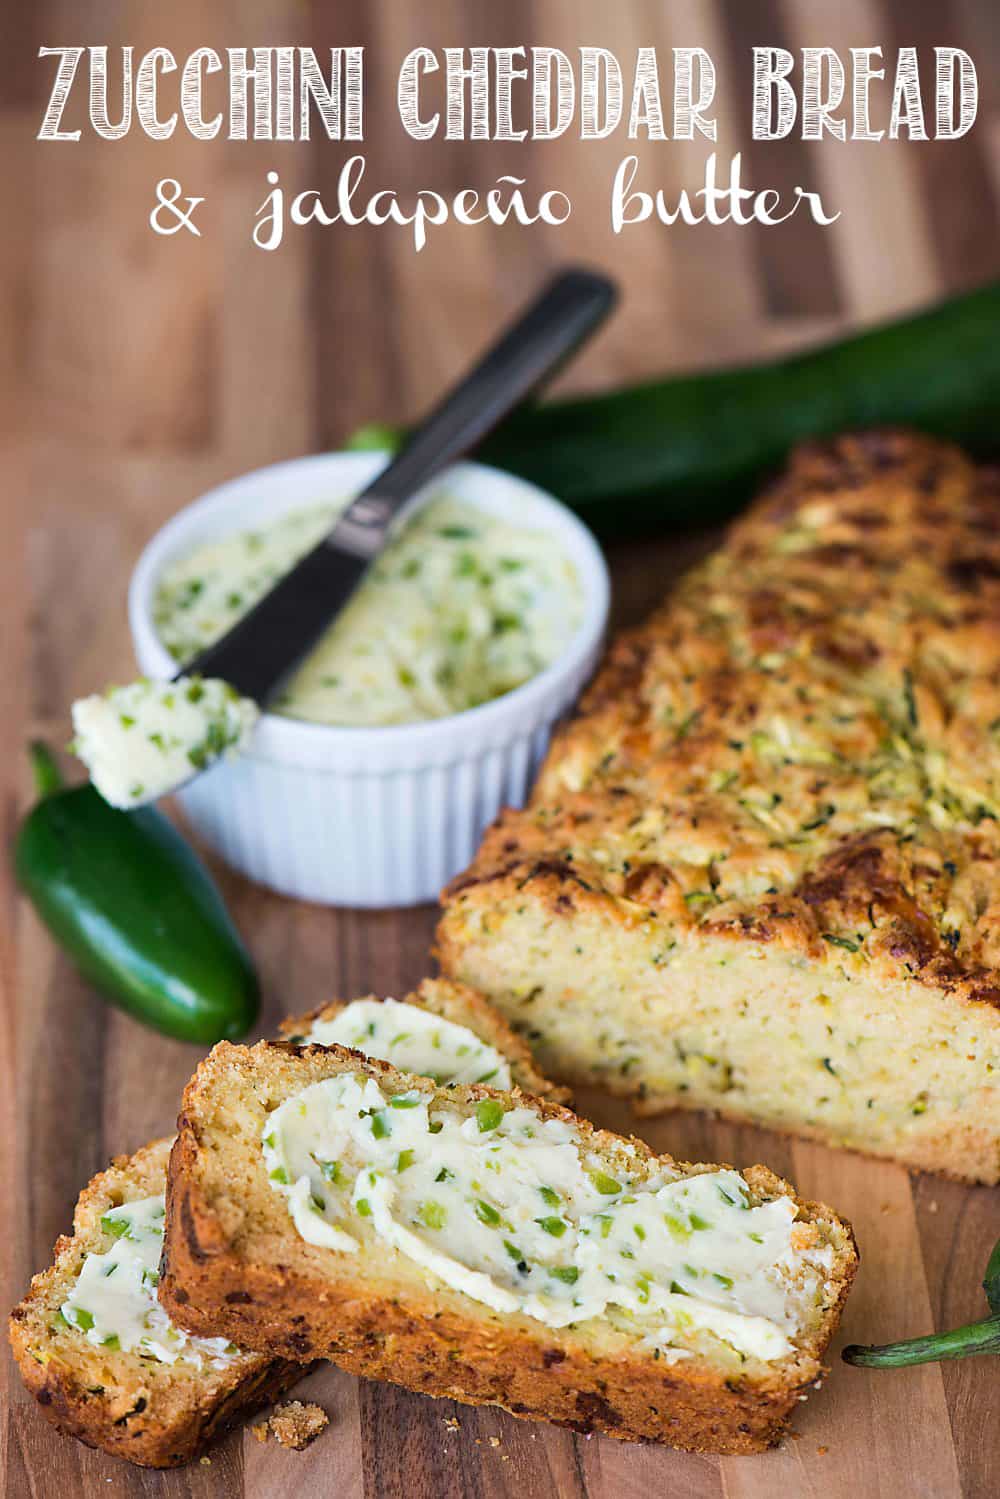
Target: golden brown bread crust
141	1420
799	753
462	1005
858	604
75	1412
236	1266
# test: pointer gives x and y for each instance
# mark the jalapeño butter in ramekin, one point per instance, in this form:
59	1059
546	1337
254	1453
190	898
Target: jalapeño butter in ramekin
384	812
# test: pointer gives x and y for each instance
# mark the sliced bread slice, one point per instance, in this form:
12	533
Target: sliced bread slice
493	1248
136	1405
129	1402
415	1043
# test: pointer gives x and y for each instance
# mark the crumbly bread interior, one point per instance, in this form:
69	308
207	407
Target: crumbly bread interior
739	1028
236	1266
293	1425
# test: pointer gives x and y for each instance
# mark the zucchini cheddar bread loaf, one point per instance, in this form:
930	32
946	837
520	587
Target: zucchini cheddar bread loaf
760	871
95	1348
489	1246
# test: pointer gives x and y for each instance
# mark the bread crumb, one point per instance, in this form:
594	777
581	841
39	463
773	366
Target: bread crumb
822	1451
452	1423
494	1441
293	1425
932	1207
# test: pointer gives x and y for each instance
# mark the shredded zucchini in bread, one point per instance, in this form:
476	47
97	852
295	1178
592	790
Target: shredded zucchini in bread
760	870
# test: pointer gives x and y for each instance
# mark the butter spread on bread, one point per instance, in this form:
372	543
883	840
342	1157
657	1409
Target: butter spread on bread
414	1040
514	1211
113	1300
125	1399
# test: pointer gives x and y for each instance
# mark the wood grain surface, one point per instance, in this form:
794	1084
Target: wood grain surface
137	371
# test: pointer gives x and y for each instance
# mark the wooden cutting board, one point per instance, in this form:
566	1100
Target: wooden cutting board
135	372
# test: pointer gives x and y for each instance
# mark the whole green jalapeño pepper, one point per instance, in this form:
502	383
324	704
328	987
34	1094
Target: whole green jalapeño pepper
136	910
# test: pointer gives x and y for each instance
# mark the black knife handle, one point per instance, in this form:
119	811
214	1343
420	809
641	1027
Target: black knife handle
569	309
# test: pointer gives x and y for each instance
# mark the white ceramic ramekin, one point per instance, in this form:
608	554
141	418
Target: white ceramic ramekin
380	816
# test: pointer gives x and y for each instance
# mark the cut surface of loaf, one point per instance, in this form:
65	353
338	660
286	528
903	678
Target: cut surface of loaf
161	1414
493	1248
132	1405
759	872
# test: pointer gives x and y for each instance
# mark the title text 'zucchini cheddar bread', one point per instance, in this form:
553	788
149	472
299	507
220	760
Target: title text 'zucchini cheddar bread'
760	871
488	1246
102	1358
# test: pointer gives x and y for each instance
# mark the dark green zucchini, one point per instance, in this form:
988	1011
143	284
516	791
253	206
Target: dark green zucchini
691	449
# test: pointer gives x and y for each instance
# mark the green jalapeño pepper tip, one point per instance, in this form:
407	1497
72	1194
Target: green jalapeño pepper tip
991	1280
136	910
48	777
961	1342
375	437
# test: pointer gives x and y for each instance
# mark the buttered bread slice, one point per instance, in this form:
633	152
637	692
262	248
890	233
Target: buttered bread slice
491	1247
760	871
442	1030
100	1355
102	1358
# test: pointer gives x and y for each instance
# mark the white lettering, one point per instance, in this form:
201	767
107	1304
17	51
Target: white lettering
408	93
506	73
689	109
601	78
543	127
69	61
818	104
948	128
478	77
907	104
145	93
200	62
647	108
732	203
99	94
771	67
863	75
